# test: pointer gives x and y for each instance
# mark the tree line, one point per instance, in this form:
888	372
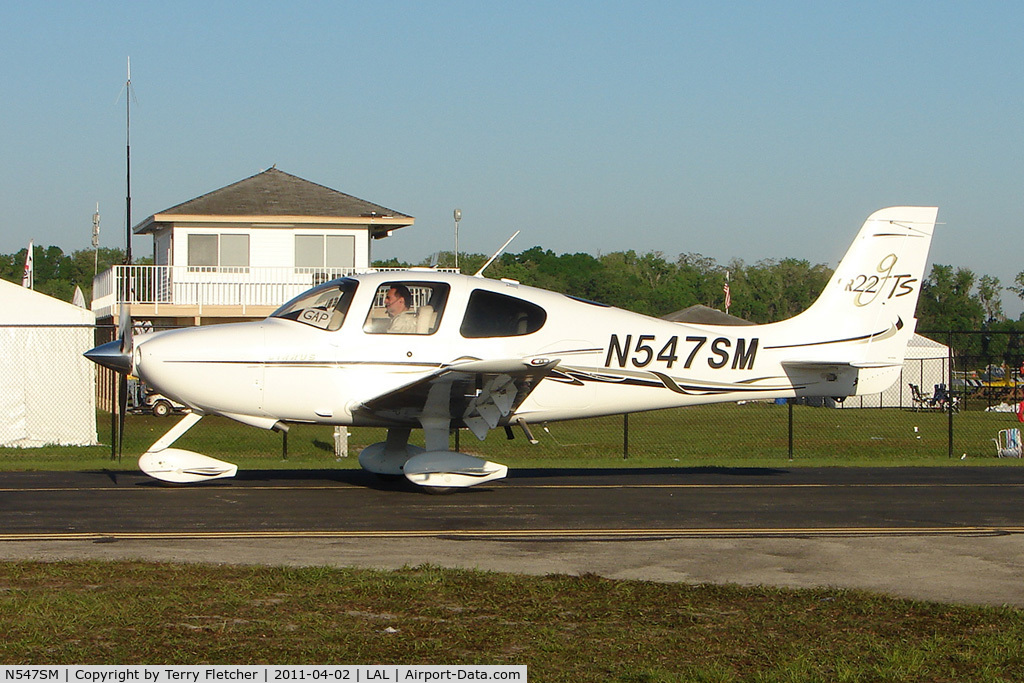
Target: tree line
952	298
56	273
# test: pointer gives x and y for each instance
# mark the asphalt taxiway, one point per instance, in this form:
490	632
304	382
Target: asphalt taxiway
953	534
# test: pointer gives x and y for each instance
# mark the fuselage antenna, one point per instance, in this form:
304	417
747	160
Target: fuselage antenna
479	273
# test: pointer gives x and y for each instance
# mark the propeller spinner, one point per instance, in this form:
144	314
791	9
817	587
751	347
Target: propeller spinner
116	355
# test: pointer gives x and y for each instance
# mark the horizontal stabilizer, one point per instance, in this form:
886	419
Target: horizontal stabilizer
832	365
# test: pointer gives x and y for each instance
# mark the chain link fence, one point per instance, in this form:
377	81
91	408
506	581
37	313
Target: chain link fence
954	396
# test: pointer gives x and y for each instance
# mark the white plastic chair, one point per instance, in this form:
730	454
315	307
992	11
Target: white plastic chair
1008	443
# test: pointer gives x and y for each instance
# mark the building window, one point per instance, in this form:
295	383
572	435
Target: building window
234	251
340	251
325	252
218	252
309	251
202	251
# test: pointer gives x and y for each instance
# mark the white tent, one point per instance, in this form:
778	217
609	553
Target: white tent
47	388
926	364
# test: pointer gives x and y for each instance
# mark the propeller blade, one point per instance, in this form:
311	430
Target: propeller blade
122	409
124	329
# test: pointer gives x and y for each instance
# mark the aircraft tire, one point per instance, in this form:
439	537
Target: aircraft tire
439	490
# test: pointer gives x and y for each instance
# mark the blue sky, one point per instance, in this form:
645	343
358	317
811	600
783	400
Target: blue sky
734	129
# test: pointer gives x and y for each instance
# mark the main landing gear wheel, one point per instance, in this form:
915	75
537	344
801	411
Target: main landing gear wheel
435	472
438	490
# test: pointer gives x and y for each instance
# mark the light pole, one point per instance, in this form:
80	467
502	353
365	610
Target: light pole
458	217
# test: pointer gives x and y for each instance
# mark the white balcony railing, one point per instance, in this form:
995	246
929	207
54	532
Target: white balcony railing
199	287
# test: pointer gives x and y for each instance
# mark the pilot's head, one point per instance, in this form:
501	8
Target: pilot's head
397	300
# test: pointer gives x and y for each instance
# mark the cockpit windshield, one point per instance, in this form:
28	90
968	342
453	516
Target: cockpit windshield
324	306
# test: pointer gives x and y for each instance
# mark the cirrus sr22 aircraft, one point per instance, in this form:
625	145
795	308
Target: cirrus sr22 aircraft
479	354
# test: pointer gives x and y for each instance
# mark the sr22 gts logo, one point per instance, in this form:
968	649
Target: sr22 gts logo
869	287
719	353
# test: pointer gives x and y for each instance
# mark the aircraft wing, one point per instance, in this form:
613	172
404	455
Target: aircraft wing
478	394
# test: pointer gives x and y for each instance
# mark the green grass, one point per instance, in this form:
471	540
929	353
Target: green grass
563	628
727	435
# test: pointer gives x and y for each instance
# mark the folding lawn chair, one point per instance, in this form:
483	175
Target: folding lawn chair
917	399
1008	443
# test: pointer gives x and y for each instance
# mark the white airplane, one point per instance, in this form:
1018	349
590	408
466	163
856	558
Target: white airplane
475	353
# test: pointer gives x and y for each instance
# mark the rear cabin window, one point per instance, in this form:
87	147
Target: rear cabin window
490	314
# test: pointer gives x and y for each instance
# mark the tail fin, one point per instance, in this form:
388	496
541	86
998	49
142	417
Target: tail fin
865	316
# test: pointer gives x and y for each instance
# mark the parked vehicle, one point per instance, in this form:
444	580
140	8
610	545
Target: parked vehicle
144	400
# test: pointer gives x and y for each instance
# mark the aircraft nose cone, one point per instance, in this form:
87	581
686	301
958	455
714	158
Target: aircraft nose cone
109	355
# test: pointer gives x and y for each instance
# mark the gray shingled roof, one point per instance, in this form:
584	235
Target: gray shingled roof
704	315
275	193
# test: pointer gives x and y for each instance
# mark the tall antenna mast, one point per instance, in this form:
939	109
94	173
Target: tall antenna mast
128	165
96	240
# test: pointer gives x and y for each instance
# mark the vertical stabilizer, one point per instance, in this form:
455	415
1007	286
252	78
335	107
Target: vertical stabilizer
865	315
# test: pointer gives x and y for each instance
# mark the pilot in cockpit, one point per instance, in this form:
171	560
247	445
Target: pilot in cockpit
398	302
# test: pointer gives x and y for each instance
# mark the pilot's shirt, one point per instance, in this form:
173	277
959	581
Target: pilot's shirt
403	323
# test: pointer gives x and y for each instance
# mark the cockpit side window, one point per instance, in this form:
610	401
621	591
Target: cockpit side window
490	314
406	307
324	306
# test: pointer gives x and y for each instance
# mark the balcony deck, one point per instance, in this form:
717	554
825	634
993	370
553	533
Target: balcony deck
184	291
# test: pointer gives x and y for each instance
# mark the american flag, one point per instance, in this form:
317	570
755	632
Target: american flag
28	278
728	295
